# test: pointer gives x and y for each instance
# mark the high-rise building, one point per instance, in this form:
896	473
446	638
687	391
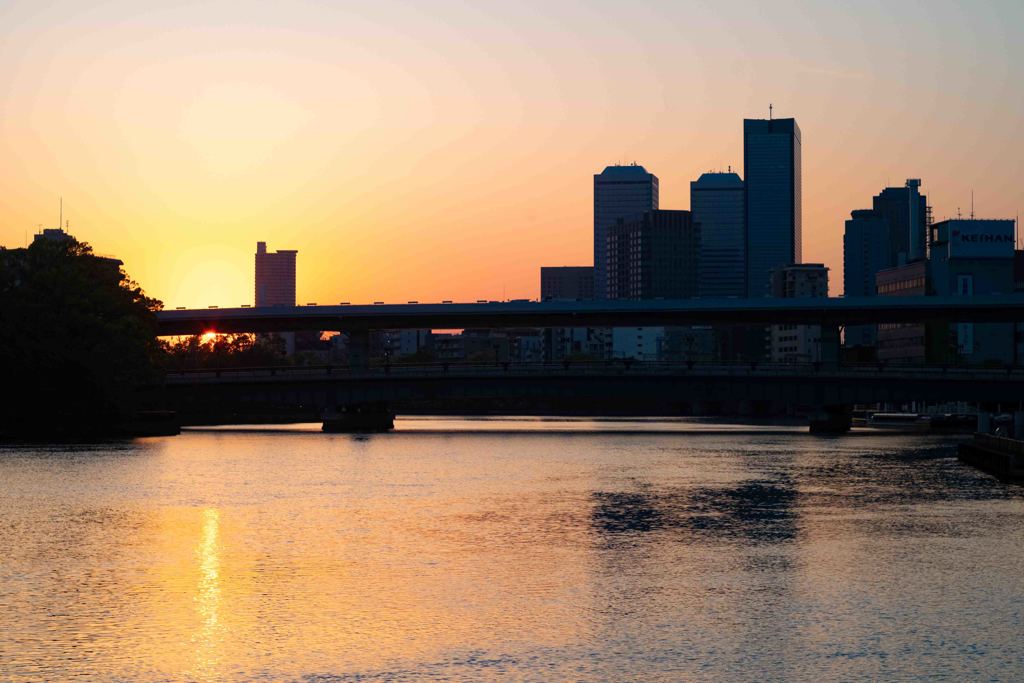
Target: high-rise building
566	283
275	277
971	257
619	192
771	172
865	252
653	255
906	211
798	343
716	201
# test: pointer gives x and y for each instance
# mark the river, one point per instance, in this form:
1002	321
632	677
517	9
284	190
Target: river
519	549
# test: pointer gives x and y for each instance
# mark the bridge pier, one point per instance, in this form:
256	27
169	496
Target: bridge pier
830	346
831	420
984	421
356	418
359	349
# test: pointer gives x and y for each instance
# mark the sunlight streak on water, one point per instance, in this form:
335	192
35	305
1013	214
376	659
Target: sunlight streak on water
208	596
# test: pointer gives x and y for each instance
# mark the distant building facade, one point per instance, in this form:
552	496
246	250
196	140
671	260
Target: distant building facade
904	343
1018	286
969	257
619	192
275	277
568	283
905	210
717	201
653	255
772	183
798	343
51	235
865	252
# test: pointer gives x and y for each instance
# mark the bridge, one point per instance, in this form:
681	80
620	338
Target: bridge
830	312
828	385
671	388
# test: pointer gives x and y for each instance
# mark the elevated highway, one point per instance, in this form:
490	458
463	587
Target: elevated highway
829	312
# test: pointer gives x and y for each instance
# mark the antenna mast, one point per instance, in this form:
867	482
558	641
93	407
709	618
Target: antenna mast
769	111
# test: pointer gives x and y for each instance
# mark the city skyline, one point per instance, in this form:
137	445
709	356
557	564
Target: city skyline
179	181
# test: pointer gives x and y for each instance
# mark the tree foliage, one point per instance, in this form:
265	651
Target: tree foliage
224	351
77	339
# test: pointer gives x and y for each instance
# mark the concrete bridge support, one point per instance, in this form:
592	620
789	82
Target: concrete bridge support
360	418
830	345
359	349
831	420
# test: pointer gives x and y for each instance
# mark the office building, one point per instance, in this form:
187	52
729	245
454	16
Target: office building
771	177
865	252
972	257
716	202
906	211
275	277
902	343
653	255
798	343
1018	286
619	192
566	283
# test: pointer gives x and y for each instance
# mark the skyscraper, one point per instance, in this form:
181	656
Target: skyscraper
716	201
566	282
275	277
865	252
653	256
771	169
906	211
619	192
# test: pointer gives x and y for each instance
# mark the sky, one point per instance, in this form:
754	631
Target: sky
438	150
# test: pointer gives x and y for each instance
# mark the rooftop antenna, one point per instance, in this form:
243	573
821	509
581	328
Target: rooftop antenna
972	203
769	111
61	221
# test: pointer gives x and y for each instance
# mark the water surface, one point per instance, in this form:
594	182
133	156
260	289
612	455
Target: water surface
524	549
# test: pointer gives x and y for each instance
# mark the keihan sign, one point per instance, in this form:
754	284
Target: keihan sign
981	239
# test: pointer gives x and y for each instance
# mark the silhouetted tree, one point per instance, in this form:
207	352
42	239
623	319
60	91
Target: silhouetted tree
224	351
77	339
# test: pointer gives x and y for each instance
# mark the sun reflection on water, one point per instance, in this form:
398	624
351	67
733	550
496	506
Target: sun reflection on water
208	596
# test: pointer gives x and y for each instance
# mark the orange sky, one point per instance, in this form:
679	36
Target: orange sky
445	150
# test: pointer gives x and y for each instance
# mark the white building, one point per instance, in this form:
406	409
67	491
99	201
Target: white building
798	343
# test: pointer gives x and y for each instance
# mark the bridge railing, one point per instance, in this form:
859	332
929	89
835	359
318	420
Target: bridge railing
585	368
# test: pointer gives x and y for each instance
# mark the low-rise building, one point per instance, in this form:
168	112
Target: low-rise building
902	342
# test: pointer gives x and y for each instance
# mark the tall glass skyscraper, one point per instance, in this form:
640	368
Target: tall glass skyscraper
716	200
771	169
619	192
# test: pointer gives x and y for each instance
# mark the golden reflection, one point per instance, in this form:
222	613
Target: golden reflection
208	594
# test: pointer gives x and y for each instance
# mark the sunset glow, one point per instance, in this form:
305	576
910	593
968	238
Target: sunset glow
447	153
